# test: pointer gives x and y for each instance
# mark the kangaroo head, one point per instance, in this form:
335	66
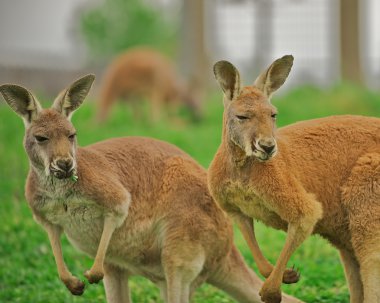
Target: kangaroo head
250	118
50	137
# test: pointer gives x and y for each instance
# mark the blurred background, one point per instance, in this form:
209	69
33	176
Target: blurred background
330	39
157	55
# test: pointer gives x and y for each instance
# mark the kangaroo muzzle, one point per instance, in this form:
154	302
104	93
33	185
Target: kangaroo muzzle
265	149
62	168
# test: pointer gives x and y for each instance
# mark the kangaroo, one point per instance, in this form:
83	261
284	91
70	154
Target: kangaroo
320	176
143	72
138	206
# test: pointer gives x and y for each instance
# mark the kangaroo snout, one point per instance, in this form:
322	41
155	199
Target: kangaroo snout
268	146
65	164
62	168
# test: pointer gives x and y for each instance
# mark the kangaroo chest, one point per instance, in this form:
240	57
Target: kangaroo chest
82	221
241	197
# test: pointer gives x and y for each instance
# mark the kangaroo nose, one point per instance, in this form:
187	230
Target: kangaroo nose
65	164
268	147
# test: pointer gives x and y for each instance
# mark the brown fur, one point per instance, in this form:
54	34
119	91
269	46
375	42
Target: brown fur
322	177
139	207
143	72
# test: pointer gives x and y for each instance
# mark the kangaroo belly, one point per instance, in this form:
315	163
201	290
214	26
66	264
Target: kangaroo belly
84	235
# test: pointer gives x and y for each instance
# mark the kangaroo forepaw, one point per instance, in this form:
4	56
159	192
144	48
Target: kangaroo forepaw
75	286
291	275
93	276
270	295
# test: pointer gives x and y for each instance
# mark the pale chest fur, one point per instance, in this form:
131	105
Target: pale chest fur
242	197
134	246
81	220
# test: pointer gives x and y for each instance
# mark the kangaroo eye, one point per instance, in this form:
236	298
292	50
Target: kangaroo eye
41	139
242	117
274	116
72	137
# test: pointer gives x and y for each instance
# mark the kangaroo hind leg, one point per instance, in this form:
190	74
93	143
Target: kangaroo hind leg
116	284
240	282
182	265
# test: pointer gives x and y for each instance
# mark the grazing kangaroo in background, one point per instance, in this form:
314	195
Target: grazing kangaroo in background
319	176
144	72
139	206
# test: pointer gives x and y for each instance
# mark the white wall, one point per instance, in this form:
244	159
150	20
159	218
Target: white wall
371	27
308	29
38	33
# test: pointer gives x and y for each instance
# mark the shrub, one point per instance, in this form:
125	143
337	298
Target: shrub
120	24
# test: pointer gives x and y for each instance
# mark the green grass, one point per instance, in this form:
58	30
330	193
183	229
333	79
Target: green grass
27	268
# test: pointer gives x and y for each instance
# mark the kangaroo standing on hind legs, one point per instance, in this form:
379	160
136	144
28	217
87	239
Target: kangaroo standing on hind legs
319	176
138	206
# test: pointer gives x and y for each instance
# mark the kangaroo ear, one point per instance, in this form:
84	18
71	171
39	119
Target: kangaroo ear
71	98
274	77
228	78
21	101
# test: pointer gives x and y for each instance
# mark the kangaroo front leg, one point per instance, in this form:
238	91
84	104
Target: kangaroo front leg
96	273
115	201
297	233
75	285
157	102
246	226
247	229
